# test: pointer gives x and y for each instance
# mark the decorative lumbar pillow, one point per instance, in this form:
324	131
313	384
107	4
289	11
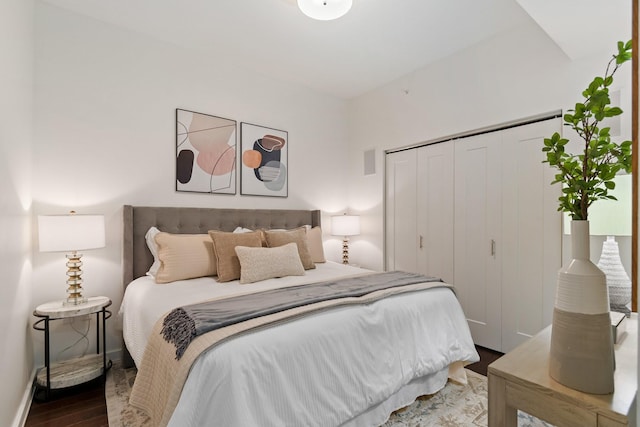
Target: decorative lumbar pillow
314	242
184	256
297	236
224	245
150	238
267	263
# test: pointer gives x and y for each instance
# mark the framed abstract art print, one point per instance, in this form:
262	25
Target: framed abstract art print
264	166
205	153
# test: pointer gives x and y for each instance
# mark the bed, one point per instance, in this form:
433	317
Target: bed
342	366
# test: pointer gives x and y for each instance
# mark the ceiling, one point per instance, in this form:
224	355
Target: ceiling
582	27
376	42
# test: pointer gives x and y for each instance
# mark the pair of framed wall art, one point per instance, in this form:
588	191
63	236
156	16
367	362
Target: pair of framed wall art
207	156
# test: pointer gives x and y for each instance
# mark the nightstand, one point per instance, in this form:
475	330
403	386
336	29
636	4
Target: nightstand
520	380
80	369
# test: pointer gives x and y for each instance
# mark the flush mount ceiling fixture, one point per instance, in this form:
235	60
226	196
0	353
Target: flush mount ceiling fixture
325	10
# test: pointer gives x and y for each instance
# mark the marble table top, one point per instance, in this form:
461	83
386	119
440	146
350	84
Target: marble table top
57	310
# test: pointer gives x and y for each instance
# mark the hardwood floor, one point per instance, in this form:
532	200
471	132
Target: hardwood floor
487	357
80	406
85	406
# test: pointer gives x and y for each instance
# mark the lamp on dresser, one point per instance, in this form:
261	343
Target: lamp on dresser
71	233
345	226
612	218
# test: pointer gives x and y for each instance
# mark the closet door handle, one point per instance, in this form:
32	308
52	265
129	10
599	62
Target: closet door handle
493	248
421	245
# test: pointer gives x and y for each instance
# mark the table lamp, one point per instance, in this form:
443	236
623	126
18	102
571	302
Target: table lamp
71	233
345	226
613	218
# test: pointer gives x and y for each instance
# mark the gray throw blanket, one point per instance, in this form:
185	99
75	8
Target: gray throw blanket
182	325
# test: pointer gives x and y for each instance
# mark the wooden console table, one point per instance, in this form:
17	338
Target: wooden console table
520	381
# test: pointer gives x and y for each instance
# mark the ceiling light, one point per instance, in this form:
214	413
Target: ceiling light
324	10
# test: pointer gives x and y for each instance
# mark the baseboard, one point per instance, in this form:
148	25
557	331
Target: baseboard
25	404
114	355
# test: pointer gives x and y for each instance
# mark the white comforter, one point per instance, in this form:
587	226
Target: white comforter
351	365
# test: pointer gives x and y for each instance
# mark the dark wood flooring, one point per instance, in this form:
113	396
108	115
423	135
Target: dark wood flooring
487	357
85	406
79	406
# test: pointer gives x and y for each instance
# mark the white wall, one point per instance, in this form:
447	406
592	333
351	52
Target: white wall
515	75
105	136
16	116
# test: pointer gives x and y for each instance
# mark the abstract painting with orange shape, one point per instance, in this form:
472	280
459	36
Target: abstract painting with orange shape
205	153
264	169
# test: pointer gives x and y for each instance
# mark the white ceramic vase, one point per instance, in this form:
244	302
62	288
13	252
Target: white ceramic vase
582	355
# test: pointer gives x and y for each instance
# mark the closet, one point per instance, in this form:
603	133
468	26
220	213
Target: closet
480	213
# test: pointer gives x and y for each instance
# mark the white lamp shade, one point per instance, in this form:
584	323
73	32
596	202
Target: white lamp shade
613	217
63	233
324	10
345	225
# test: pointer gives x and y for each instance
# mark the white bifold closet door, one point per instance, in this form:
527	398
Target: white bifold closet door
419	210
435	210
531	233
478	210
508	234
401	211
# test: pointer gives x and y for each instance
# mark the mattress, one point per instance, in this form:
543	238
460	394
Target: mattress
347	366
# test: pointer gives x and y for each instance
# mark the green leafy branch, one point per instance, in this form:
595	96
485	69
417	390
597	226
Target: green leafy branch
588	176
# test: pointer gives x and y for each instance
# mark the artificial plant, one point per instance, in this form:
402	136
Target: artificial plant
588	176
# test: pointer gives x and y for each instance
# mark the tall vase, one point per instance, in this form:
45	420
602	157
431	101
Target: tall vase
582	355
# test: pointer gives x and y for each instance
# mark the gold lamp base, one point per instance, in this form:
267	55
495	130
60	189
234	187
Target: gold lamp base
74	281
345	250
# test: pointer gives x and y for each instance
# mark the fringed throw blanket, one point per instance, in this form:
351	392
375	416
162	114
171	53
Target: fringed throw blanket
162	375
184	324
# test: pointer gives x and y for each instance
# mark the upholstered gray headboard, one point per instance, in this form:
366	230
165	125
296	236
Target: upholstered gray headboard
138	219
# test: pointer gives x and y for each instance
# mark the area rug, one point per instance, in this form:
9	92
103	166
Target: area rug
456	405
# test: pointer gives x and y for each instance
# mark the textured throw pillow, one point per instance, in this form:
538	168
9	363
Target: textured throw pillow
224	245
150	238
266	263
184	256
314	242
297	236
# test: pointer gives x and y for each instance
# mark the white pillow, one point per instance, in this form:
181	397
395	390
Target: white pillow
150	237
242	230
267	263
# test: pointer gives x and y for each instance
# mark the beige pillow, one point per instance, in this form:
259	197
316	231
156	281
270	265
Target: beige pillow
266	263
263	236
314	242
184	256
224	245
297	236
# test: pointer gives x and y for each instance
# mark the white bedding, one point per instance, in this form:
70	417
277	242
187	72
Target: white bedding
329	369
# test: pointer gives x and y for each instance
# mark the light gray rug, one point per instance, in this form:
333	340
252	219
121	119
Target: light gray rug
117	389
454	406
